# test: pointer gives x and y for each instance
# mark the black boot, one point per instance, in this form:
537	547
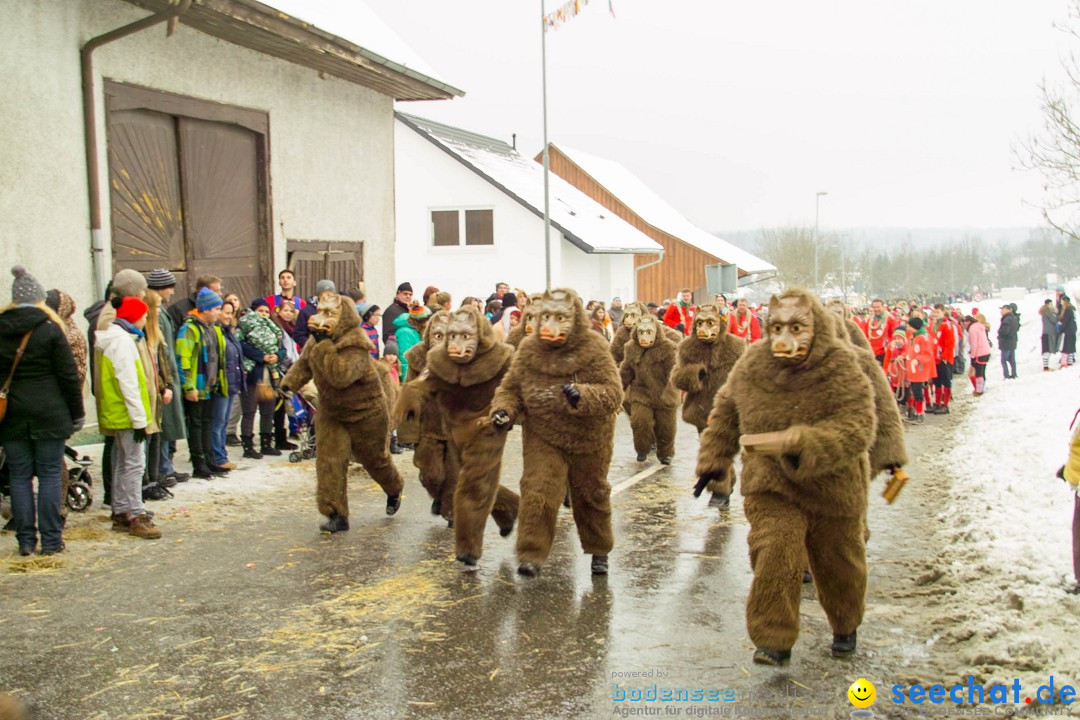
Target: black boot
393	502
335	523
200	469
763	656
249	448
528	569
599	565
268	445
436	507
642	457
807	577
281	440
469	561
231	440
843	645
719	500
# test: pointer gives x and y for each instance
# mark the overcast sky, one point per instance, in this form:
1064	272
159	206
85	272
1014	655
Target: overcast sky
738	112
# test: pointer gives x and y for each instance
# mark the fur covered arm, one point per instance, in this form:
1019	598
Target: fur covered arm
341	368
507	397
720	439
601	395
416	356
890	447
299	374
410	402
688	377
626	374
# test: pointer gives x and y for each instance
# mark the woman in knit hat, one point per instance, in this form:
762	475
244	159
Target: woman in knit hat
44	407
161	286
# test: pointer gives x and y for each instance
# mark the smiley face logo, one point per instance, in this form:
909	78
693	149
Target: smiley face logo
862	693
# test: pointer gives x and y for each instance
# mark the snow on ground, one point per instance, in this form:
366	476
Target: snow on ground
1006	520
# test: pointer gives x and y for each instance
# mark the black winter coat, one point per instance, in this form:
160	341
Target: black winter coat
46	396
1010	325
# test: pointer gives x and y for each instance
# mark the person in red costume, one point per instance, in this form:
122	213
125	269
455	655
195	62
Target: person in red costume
680	314
879	328
920	368
946	332
744	324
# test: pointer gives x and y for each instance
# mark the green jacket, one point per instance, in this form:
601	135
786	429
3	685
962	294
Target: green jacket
192	357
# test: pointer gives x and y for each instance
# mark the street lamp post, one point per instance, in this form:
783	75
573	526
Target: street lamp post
817	213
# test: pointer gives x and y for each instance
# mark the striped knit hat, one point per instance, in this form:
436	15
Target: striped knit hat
159	279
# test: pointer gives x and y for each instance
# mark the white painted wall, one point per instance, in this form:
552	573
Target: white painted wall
427	178
331	142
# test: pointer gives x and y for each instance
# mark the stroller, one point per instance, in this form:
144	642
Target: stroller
302	410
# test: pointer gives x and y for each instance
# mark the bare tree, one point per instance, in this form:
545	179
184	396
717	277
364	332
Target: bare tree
1054	151
791	250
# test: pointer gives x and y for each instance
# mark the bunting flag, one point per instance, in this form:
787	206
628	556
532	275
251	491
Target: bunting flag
567	11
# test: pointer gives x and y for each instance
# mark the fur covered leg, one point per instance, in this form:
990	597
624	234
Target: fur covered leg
642	425
778	558
543	486
837	551
477	486
428	458
590	500
505	510
666	420
332	467
371	446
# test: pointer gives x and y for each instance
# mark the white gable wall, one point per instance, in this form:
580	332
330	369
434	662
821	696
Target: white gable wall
331	142
427	178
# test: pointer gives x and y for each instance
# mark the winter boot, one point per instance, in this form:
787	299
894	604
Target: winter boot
281	440
468	561
599	565
268	447
980	386
843	645
395	449
200	469
393	502
120	522
335	523
642	457
219	470
719	500
154	491
178	477
143	527
764	656
528	569
249	448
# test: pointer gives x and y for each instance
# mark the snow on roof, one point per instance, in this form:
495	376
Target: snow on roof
582	220
654	210
356	23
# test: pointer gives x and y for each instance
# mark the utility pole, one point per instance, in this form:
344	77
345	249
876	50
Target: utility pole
547	159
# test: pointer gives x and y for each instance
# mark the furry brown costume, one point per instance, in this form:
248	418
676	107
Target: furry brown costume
854	332
802	408
353	417
889	450
646	377
704	359
528	322
463	374
428	428
632	312
564	380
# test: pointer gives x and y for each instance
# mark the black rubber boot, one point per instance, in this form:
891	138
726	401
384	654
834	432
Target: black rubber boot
528	569
248	442
200	469
469	562
281	440
335	523
763	656
267	445
599	565
843	645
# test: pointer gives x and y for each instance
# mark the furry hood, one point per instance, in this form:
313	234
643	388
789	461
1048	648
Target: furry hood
490	358
579	350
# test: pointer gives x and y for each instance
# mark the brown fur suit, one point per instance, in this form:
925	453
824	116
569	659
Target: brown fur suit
566	443
622	335
854	332
463	391
646	379
806	501
699	352
430	431
528	322
890	445
353	418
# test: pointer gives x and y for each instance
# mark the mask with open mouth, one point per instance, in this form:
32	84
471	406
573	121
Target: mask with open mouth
321	325
646	331
631	314
709	324
555	320
791	328
462	336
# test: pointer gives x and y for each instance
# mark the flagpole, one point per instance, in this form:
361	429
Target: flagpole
547	160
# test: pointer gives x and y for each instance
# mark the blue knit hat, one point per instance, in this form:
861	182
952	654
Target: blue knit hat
207	299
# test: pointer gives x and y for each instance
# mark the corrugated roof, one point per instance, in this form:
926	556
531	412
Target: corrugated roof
654	210
341	38
583	221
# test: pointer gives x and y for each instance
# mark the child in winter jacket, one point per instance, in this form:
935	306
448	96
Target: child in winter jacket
126	391
920	367
895	364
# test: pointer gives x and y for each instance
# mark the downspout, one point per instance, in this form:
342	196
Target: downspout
639	268
97	245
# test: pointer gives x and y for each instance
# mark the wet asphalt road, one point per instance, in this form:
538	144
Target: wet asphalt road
250	612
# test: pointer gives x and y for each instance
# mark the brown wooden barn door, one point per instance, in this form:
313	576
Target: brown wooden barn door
219	170
144	182
314	260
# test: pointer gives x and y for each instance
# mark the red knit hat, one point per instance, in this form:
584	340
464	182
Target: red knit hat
131	309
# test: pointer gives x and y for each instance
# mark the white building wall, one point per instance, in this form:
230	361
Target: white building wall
428	178
331	142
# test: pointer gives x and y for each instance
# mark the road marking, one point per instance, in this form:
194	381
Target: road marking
635	479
